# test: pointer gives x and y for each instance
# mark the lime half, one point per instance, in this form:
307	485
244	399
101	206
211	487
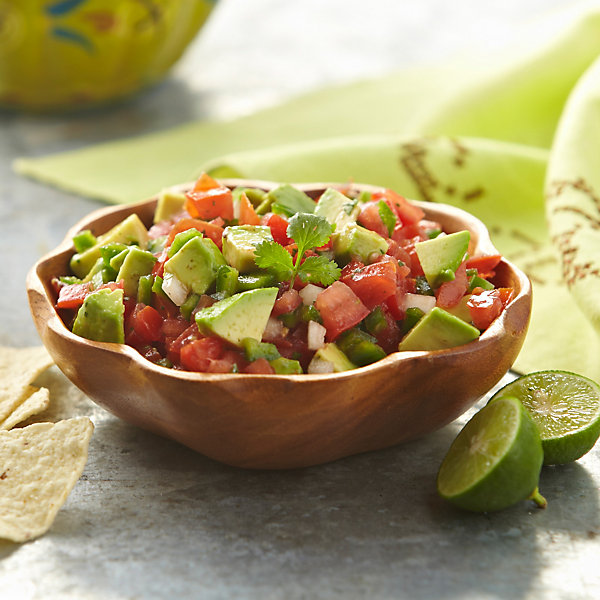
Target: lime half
495	460
565	407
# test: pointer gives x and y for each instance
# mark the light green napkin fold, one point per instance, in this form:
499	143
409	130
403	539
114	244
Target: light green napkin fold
482	138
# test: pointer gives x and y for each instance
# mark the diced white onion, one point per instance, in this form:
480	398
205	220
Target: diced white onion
175	289
318	366
425	303
309	293
274	330
236	208
316	335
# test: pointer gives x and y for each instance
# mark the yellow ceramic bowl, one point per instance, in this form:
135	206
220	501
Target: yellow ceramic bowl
65	54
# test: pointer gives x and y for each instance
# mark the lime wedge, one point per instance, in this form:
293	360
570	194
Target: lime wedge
565	407
495	460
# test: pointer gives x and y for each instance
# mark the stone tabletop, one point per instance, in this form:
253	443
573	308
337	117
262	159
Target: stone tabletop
152	519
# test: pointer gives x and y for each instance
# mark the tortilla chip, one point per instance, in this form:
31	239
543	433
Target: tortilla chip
39	465
18	368
36	400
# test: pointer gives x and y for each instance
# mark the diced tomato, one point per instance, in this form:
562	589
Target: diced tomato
260	366
174	344
111	285
484	264
373	283
369	218
413	232
164	306
340	308
287	302
224	364
407	213
415	263
484	308
402	269
210	203
450	293
72	296
147	323
506	295
389	337
159	266
278	226
173	328
248	215
395	303
398	252
197	354
205	182
210	230
150	353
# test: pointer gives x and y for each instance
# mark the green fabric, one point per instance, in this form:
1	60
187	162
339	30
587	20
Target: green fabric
496	138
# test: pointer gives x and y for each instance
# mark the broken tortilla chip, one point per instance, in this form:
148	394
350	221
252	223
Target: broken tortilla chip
36	400
18	368
39	465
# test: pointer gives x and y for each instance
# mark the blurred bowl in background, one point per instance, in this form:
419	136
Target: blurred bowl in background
70	54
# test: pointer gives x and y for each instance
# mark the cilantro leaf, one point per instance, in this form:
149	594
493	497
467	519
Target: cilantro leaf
387	216
319	269
309	231
273	256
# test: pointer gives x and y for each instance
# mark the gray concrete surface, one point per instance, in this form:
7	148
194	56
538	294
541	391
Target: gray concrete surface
151	519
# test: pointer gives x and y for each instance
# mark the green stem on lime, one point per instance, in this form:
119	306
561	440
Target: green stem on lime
536	497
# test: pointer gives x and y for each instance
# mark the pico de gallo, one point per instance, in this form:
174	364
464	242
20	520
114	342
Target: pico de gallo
245	280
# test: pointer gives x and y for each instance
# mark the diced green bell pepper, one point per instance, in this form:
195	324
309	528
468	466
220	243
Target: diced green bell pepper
360	347
286	366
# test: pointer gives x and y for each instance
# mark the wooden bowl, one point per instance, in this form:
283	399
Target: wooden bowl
284	421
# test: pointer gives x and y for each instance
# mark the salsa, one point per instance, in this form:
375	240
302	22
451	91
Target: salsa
277	282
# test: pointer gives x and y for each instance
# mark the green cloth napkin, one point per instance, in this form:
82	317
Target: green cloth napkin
515	141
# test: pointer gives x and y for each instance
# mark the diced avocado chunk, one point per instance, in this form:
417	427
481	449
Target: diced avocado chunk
437	330
286	366
101	317
288	200
240	316
137	263
355	241
412	316
253	350
338	209
181	239
441	256
196	264
97	268
461	310
129	231
332	354
239	244
169	204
